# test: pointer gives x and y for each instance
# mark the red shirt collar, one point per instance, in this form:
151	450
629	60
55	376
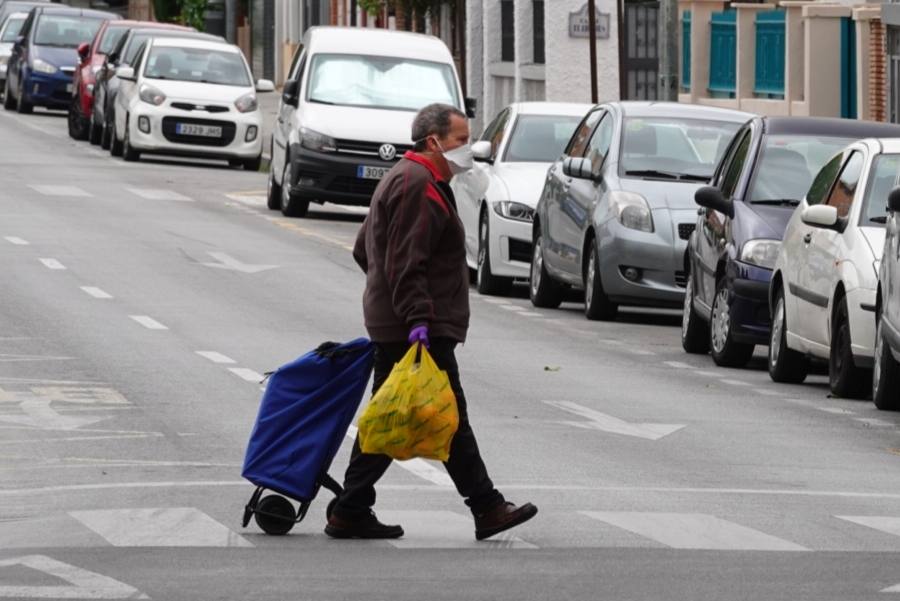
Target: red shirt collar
418	158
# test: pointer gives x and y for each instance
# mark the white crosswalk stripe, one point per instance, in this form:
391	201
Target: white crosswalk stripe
890	525
159	194
159	527
694	531
71	191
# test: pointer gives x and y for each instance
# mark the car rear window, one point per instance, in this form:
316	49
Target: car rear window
111	37
12	28
65	31
788	165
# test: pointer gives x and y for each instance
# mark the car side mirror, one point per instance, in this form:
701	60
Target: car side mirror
83	49
471	104
290	91
265	85
820	216
894	200
126	73
482	151
579	168
711	197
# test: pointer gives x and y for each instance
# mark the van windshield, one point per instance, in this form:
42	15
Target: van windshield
380	82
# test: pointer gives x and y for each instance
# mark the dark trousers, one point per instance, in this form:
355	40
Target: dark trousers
465	465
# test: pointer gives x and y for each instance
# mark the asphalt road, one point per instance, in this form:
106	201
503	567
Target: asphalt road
140	303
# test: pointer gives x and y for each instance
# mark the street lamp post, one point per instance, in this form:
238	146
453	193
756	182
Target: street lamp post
592	26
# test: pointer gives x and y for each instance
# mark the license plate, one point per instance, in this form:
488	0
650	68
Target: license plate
205	131
369	172
70	87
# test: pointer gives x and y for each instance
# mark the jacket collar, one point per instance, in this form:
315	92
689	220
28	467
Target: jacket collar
418	158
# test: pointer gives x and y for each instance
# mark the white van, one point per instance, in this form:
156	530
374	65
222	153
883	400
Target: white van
347	109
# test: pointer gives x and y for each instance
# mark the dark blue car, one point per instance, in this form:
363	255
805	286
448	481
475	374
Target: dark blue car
763	175
44	57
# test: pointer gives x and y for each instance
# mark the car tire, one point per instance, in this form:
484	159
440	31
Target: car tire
95	132
725	350
77	123
128	151
9	102
844	377
885	375
273	193
23	106
694	331
544	291
486	281
291	204
115	146
597	305
786	365
252	164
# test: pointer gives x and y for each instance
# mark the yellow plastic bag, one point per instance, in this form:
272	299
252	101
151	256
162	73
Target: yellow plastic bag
413	414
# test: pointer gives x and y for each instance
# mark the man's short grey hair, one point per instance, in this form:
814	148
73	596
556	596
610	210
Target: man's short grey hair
434	119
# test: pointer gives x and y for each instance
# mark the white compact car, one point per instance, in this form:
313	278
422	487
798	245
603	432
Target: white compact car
825	282
496	200
189	97
9	31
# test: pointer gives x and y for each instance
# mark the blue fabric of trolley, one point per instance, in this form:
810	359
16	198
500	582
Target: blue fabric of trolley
303	417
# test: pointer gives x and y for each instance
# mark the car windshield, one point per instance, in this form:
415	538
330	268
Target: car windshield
788	165
539	138
200	65
381	82
65	31
680	147
882	179
111	37
11	29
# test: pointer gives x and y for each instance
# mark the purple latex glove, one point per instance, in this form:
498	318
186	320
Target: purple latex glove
419	334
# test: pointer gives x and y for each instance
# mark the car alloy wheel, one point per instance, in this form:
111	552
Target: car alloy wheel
291	206
486	281
721	320
785	364
726	351
596	304
844	377
543	291
777	333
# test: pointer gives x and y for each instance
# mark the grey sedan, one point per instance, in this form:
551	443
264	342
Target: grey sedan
618	207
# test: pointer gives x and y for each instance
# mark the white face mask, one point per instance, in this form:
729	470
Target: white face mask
460	159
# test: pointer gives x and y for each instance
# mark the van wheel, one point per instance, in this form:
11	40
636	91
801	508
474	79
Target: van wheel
544	291
694	331
291	205
596	304
273	192
725	351
885	375
785	365
845	378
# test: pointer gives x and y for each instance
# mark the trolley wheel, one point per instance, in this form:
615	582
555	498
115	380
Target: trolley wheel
275	515
330	508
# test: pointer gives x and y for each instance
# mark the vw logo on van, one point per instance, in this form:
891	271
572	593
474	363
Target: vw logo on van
387	152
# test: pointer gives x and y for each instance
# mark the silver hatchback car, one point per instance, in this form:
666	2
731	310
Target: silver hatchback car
618	207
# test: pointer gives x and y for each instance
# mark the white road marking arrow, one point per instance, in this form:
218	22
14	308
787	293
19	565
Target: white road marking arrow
82	583
228	262
607	423
39	414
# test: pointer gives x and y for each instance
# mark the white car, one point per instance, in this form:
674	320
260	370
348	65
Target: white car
189	97
496	200
9	31
825	282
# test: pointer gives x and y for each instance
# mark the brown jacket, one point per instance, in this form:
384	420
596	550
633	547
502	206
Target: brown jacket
412	249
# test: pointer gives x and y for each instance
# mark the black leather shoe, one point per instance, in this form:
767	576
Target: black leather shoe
502	517
368	527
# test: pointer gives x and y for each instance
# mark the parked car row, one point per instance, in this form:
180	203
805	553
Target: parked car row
134	87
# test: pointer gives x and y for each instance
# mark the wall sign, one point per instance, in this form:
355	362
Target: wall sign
579	24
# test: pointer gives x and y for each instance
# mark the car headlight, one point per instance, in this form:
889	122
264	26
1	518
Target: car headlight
514	210
246	103
632	210
151	95
42	66
314	140
761	253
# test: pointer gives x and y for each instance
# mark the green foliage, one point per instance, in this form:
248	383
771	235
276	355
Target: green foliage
421	7
166	11
193	13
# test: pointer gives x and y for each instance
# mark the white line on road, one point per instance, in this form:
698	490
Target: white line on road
607	423
874	421
706	374
419	467
530	314
148	322
836	410
52	264
16	241
638	351
96	292
766	392
80	583
494	301
247	374
216	357
694	531
733	382
72	191
159	194
677	364
511	307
